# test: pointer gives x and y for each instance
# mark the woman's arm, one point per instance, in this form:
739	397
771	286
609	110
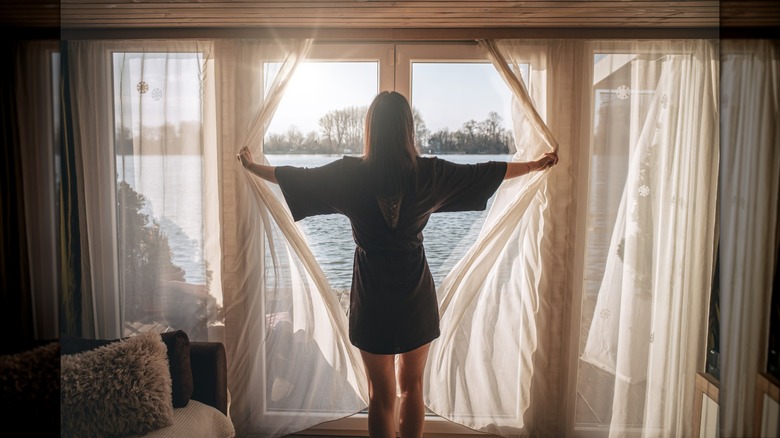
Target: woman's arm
515	168
264	171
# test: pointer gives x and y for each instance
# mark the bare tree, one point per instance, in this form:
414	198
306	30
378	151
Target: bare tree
312	141
294	137
332	128
491	127
421	132
355	122
343	129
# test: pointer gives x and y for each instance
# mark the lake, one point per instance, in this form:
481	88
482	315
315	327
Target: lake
172	188
447	236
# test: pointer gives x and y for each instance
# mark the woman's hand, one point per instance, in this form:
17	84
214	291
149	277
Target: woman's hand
245	157
549	159
518	168
264	171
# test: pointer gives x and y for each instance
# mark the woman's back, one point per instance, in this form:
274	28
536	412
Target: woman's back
343	186
393	304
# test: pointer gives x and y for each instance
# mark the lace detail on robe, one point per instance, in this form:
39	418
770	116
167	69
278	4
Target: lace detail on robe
391	209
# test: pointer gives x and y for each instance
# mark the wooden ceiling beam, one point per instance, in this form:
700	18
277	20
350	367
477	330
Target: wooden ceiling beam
388	14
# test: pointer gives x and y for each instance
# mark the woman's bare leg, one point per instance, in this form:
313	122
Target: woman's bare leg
382	394
411	366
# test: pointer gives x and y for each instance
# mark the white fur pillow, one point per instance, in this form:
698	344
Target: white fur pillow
123	388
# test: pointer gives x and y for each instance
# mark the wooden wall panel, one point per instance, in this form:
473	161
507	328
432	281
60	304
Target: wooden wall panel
29	14
750	19
389	14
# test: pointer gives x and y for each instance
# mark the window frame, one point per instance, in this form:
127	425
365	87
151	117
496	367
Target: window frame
381	53
201	49
398	77
582	197
625	51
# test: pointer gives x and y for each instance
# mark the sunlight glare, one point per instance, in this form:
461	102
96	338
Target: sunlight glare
317	88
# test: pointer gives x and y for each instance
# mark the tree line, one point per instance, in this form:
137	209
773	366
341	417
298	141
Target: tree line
341	132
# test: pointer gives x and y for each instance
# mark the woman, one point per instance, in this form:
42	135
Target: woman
388	195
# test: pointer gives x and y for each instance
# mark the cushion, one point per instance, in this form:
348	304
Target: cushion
178	344
73	345
197	420
122	388
178	349
30	383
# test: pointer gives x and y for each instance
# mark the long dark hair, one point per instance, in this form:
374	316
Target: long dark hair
390	152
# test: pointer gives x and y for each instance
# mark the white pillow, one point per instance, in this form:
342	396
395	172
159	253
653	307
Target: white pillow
196	420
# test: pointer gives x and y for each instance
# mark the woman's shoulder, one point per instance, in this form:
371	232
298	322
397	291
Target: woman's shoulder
436	162
428	160
433	163
351	163
340	162
351	159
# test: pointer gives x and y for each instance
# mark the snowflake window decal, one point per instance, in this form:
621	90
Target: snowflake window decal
644	190
623	92
665	101
605	313
157	94
142	87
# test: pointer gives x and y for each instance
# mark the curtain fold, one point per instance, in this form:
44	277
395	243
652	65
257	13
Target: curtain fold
749	202
90	86
70	250
648	326
514	81
38	64
290	359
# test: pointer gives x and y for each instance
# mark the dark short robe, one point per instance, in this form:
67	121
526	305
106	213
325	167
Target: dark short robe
393	303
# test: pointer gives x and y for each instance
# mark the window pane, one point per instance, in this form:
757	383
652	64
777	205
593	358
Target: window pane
319	119
470	121
164	277
620	105
462	114
323	109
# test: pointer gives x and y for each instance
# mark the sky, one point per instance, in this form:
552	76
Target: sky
447	95
166	84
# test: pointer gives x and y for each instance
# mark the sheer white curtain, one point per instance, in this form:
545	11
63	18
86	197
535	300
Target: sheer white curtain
648	326
90	85
291	365
481	371
749	178
145	184
499	364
